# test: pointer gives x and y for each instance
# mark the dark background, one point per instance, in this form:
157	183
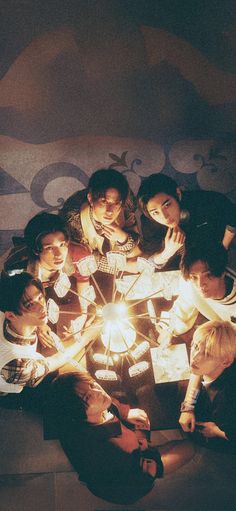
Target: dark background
145	86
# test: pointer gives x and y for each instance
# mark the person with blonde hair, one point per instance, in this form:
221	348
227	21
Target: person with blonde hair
211	416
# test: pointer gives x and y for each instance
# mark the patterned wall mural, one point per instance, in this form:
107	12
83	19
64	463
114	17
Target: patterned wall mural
132	85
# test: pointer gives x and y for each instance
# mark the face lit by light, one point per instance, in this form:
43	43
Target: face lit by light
33	310
204	364
208	285
95	398
54	251
106	209
164	209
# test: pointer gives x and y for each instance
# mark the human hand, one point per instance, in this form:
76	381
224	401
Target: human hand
44	336
139	418
209	429
174	239
148	466
187	421
114	233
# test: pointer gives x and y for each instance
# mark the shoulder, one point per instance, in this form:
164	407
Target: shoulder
131	202
202	196
17	258
74	202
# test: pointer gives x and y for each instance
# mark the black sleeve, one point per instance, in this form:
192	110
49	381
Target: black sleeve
226	413
210	213
226	209
109	472
153	236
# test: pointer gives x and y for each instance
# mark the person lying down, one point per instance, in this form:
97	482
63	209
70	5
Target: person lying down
107	442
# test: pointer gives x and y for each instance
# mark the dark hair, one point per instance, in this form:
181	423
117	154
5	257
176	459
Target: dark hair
12	290
39	226
103	179
66	400
151	186
213	254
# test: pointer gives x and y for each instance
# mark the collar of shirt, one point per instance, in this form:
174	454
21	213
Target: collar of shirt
15	338
98	225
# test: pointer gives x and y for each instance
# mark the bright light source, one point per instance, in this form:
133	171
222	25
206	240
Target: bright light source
114	311
117	337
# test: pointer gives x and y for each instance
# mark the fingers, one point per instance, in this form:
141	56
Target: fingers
139	418
142	423
108	229
168	234
148	466
176	235
188	424
45	338
186	427
46	341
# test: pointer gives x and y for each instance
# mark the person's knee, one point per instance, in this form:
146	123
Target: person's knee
175	454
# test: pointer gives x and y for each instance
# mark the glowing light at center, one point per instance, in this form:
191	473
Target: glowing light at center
117	336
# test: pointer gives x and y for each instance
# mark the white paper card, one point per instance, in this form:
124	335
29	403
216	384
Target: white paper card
62	285
53	311
87	265
170	363
116	260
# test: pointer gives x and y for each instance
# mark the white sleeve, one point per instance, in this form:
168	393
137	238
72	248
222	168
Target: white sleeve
184	312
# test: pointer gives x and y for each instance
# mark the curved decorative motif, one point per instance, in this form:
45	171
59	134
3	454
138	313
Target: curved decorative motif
213	162
50	173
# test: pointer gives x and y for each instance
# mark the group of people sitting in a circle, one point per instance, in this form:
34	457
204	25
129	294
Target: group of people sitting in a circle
106	441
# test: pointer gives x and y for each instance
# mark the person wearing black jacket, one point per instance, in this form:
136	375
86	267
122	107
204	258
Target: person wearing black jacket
172	218
212	418
107	442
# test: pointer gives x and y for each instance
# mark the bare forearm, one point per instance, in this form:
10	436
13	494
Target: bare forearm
61	358
193	390
228	238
